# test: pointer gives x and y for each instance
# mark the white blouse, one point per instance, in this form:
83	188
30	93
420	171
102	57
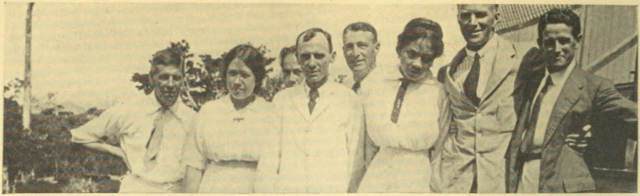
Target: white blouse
417	127
222	133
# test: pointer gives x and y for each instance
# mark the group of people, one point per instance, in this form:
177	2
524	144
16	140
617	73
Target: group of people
500	117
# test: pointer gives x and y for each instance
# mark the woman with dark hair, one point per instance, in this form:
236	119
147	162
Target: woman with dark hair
402	114
225	140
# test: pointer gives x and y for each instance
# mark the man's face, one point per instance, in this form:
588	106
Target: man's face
360	51
314	57
559	46
416	58
167	82
291	71
476	23
240	79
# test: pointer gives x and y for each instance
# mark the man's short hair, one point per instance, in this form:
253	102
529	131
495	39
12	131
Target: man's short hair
286	51
168	56
311	33
555	16
362	26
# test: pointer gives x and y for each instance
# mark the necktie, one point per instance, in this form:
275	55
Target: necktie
355	87
527	144
471	82
395	114
153	144
313	95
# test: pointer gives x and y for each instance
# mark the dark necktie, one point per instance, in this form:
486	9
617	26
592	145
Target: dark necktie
527	144
471	82
313	95
355	87
155	141
397	105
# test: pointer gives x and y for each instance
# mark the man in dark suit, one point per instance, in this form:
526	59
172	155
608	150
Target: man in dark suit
558	98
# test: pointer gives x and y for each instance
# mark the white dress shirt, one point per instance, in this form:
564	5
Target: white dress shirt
132	123
531	169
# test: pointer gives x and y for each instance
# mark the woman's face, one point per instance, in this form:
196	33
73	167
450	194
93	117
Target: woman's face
416	58
240	80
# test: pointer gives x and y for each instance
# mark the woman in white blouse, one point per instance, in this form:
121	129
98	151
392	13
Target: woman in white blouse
222	150
402	114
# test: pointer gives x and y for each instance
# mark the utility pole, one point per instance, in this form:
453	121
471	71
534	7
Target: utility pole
26	107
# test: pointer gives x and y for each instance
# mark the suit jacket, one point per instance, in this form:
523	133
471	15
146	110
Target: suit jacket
478	144
585	99
316	153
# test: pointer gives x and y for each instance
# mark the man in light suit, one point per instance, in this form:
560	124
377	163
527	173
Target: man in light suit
360	48
558	98
478	84
320	123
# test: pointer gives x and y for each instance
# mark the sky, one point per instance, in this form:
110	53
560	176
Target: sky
86	53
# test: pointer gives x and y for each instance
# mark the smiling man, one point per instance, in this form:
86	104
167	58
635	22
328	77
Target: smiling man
558	98
151	130
360	47
478	85
320	123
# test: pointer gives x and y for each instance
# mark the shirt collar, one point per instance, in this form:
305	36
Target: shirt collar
155	107
491	45
561	76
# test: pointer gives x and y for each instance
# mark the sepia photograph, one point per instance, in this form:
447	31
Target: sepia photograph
320	97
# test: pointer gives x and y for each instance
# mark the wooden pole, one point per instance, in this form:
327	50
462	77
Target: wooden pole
26	107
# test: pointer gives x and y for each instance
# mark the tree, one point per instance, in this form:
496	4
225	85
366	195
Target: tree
26	108
203	81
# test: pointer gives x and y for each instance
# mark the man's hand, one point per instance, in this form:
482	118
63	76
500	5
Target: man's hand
578	141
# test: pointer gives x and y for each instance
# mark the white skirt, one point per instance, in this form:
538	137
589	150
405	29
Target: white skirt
397	170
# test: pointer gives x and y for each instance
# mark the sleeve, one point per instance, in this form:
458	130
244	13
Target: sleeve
444	121
612	105
267	173
369	149
194	146
355	145
107	124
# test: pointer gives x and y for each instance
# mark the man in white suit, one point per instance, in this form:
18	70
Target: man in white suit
320	125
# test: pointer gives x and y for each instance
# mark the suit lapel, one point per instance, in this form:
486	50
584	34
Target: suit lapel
569	95
503	64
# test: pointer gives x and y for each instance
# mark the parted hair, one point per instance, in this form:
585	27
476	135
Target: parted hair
251	57
362	26
421	28
555	16
311	33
